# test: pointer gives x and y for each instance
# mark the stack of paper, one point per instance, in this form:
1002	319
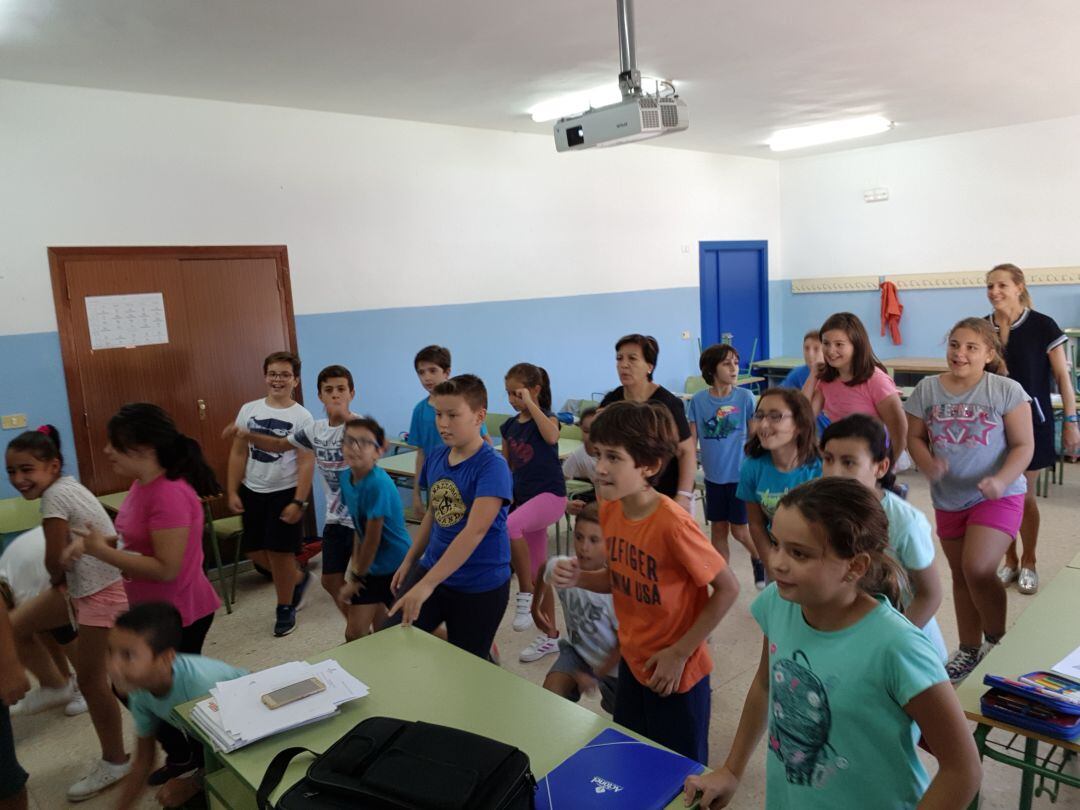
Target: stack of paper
234	714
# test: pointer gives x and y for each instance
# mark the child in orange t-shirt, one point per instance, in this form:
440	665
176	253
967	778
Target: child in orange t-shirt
660	567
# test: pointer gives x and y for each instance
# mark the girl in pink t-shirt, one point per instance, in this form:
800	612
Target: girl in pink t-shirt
160	529
853	380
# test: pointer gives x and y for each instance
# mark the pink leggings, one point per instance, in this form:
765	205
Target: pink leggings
531	521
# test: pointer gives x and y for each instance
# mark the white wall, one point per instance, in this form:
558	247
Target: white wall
375	212
959	202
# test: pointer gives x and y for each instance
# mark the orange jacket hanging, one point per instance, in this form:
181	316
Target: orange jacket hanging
891	310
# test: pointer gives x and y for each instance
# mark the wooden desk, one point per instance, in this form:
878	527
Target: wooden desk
1045	633
403	465
909	370
414	676
776	368
112	502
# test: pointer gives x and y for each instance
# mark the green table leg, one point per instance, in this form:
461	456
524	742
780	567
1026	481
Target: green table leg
980	745
1027	780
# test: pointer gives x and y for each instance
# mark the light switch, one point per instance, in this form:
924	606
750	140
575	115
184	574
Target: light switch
14	421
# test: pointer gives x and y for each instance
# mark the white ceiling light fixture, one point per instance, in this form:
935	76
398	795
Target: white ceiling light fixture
577	103
816	134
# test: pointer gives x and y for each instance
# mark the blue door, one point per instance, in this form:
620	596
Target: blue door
734	288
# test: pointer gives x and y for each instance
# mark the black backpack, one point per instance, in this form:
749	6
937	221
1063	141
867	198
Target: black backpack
388	764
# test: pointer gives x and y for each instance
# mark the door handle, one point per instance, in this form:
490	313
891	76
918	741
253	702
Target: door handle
202	409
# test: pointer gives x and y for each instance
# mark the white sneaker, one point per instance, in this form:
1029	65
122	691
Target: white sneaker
43	698
77	704
104	775
541	646
523	612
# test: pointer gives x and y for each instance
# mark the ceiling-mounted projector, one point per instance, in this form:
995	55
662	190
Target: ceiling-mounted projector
632	119
637	117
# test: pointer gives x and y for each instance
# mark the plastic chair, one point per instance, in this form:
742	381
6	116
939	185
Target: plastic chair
695	383
747	371
216	530
571	432
493	422
585	404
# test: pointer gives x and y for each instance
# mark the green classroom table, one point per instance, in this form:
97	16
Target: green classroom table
415	676
403	465
1044	633
776	368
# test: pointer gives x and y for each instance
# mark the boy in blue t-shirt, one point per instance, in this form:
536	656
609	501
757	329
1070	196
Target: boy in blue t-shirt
804	378
719	419
381	538
432	365
144	663
463	575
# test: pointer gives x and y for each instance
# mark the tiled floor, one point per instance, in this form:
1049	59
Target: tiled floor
56	750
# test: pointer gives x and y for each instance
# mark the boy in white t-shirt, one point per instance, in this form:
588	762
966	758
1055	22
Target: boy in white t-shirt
323	439
589	655
270	489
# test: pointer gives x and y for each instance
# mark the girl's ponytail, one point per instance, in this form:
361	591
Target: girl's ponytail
143	424
531	376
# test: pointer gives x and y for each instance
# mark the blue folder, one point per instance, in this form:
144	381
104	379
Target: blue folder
615	772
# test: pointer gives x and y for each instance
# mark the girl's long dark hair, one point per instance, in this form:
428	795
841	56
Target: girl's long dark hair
850	517
863	360
805	427
531	376
142	424
43	444
871	431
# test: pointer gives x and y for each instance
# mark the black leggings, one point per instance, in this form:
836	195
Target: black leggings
178	746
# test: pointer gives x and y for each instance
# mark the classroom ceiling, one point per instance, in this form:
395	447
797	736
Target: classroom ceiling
744	68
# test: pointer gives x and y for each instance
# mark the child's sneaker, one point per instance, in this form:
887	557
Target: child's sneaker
104	775
43	698
963	661
299	592
541	646
171	770
523	612
760	578
77	704
286	620
493	654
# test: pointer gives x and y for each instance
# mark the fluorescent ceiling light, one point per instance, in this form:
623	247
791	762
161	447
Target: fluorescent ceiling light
815	134
576	103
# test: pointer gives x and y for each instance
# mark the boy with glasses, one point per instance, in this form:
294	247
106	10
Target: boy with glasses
270	489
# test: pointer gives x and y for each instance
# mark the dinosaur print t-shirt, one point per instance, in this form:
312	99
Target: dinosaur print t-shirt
968	431
722	425
838	733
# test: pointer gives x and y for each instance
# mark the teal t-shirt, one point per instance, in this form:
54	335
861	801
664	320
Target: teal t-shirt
376	496
838	733
193	676
761	483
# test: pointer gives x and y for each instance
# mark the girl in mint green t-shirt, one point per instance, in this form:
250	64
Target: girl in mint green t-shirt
846	684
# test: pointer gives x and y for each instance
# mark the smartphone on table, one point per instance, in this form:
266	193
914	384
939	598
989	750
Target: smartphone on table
293	692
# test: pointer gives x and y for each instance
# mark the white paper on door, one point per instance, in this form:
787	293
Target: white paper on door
124	321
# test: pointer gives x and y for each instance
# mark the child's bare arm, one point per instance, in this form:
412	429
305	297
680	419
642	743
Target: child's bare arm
543	605
717	788
927	595
667	665
237	465
939	717
143	763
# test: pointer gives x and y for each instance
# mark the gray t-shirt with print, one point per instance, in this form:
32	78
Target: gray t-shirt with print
968	431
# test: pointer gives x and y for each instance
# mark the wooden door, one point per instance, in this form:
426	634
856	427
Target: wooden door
225	310
236	318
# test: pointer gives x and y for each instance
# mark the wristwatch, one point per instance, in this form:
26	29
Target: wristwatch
300	503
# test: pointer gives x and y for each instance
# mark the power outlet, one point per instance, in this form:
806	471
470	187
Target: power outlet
13	421
686	334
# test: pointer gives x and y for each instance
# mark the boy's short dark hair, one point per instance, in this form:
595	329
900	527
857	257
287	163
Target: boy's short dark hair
467	386
712	357
330	372
283	357
588	413
590	513
368	423
645	430
813	334
158	623
439	355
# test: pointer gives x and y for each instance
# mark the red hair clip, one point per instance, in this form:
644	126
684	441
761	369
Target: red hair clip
43	429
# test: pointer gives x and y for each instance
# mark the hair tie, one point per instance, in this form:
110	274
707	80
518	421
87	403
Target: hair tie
43	429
